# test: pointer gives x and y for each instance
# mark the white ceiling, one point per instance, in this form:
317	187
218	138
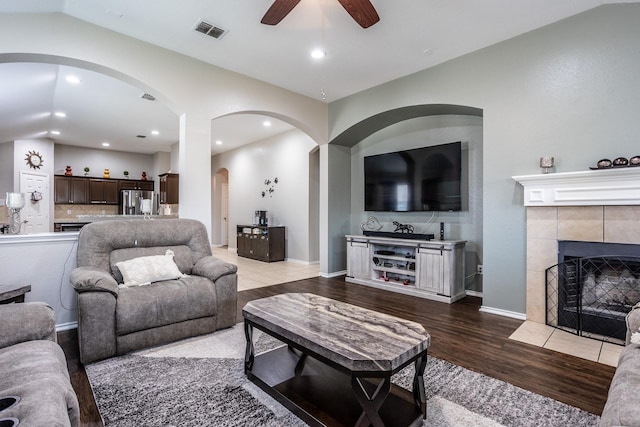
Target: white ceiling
412	35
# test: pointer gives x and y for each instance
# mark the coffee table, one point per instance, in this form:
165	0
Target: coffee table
336	366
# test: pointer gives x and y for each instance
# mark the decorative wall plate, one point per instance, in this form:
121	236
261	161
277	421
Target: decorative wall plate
34	159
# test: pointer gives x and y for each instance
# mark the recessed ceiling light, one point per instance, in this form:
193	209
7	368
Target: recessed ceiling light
318	53
60	114
106	144
218	142
155	132
266	123
54	132
73	79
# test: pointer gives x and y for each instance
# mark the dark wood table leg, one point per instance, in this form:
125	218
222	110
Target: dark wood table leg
370	402
418	385
249	354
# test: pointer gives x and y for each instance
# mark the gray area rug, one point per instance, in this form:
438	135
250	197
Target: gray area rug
201	382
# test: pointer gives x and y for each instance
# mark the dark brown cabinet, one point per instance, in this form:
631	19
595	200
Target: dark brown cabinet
71	190
103	191
136	185
85	190
169	193
261	243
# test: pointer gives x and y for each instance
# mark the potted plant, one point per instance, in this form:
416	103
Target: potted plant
126	174
86	170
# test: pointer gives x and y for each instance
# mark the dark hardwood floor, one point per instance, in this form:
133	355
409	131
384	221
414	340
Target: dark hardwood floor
460	334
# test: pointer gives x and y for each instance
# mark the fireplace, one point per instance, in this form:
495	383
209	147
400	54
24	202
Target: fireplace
592	288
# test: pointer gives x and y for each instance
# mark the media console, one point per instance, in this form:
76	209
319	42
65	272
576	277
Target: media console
432	269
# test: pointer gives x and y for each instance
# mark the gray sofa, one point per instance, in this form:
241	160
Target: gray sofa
623	404
114	319
33	371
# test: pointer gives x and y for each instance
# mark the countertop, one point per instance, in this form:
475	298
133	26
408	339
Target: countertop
80	219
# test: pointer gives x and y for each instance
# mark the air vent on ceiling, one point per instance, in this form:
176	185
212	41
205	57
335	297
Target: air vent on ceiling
148	97
141	136
210	30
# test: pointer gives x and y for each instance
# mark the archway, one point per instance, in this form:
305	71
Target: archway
271	172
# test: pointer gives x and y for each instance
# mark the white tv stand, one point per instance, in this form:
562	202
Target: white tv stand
432	269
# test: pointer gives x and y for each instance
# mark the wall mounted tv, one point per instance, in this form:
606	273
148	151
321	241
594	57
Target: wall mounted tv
423	179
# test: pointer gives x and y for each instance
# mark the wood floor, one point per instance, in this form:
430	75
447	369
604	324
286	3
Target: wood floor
460	334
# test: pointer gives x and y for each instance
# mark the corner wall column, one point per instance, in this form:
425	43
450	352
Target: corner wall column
194	162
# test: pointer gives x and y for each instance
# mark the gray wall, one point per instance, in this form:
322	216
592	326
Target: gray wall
568	90
287	158
97	160
422	132
6	168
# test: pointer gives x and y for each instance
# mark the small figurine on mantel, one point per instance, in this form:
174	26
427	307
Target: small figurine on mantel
143	177
67	171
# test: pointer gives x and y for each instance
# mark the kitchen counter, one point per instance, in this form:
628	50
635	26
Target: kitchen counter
94	218
75	224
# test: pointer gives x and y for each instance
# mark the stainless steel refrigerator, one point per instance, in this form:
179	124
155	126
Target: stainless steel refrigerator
138	202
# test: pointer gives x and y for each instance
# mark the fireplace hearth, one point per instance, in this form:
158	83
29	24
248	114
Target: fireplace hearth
592	288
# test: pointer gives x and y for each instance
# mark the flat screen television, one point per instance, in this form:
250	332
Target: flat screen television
422	179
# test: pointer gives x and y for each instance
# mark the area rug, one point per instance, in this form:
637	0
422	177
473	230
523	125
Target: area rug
201	382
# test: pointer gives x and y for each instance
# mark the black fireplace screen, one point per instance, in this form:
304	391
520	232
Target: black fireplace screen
590	296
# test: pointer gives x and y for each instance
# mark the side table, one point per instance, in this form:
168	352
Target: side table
13	293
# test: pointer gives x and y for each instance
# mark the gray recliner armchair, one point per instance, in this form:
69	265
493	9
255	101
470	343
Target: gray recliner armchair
122	306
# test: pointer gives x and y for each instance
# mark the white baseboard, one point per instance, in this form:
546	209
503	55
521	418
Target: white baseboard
66	326
331	275
505	313
473	293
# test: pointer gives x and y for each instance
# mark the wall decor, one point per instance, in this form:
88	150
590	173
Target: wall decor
270	187
34	159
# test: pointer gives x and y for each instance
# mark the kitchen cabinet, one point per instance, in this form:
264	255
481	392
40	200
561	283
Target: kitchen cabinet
103	191
261	242
86	190
431	269
71	190
169	191
134	184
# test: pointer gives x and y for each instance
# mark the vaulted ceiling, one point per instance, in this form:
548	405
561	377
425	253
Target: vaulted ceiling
411	35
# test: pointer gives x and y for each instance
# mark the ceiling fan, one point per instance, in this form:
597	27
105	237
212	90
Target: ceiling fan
362	11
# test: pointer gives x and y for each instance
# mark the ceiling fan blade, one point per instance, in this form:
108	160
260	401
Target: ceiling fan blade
362	11
278	10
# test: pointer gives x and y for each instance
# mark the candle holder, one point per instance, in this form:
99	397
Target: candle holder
546	163
145	207
15	202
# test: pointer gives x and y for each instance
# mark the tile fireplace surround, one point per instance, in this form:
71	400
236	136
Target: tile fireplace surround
592	206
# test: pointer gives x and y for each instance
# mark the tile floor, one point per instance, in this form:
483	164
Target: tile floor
555	339
256	274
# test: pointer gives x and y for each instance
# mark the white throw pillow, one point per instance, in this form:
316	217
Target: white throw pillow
148	269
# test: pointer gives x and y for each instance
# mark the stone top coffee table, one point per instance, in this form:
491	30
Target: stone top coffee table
336	368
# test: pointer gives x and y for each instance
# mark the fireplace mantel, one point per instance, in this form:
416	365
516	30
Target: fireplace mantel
603	187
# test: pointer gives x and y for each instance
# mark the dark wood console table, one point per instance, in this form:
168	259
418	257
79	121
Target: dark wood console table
13	293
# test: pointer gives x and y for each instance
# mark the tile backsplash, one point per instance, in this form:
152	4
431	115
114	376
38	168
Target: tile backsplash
72	211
